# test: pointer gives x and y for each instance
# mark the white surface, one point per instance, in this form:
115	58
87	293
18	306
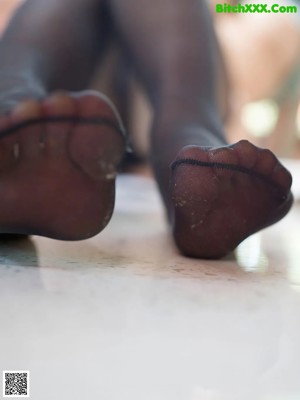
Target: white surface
294	167
123	316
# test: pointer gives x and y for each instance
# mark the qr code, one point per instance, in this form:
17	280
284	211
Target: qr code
16	384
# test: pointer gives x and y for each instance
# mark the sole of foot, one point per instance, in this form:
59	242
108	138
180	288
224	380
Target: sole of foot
222	195
58	162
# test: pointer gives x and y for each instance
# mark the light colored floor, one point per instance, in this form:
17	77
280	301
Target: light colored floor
124	316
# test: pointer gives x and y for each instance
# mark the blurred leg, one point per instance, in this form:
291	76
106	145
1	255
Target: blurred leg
59	152
215	195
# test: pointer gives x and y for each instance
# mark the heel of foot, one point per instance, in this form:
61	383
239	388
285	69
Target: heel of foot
64	189
218	201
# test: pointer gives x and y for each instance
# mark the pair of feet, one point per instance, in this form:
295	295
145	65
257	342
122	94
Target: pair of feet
59	158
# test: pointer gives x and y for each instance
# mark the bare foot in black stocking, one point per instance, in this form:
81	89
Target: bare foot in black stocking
214	198
58	162
222	195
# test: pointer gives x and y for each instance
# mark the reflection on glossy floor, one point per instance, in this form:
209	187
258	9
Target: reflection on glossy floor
124	316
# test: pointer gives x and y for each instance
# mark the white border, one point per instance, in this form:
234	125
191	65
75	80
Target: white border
21	395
